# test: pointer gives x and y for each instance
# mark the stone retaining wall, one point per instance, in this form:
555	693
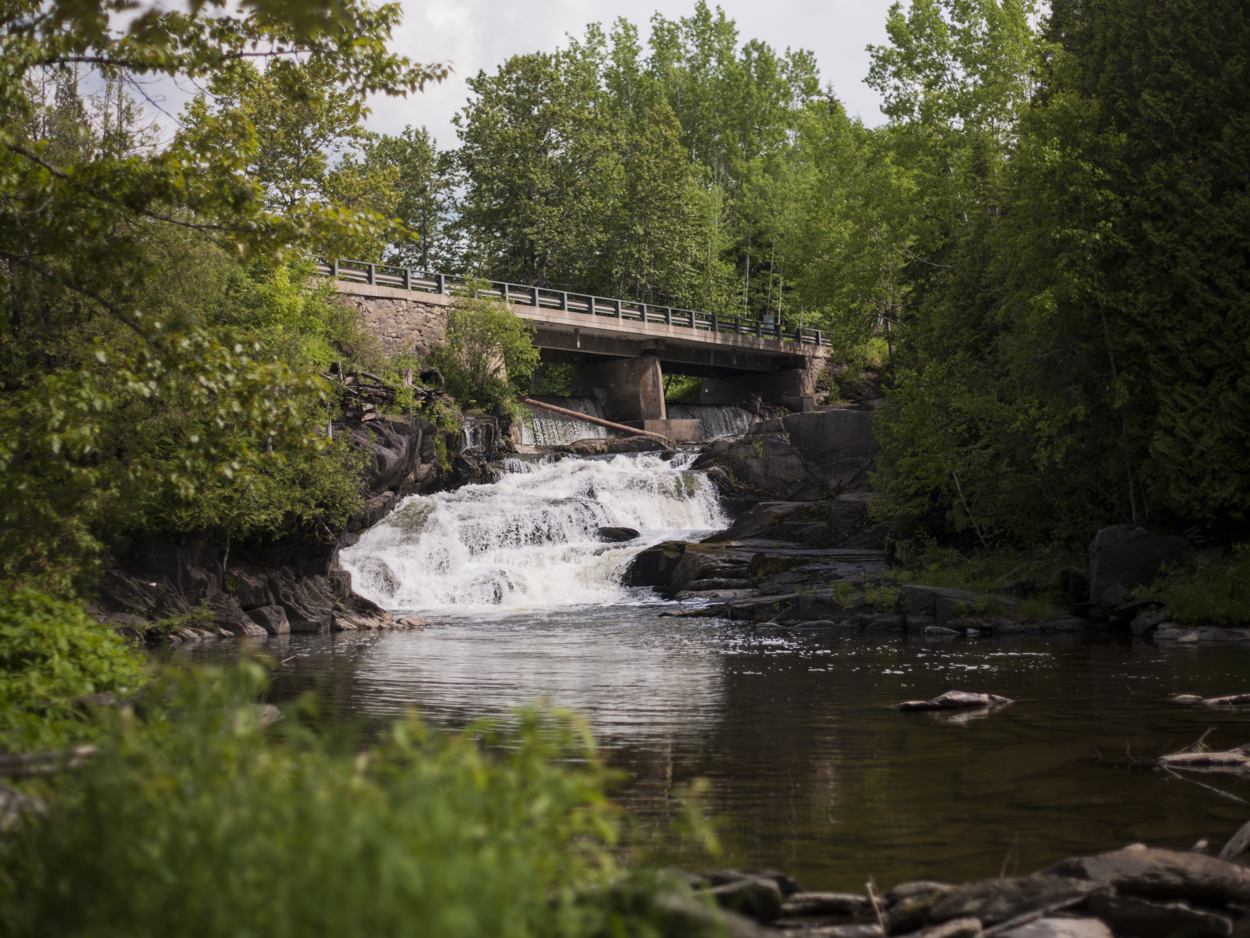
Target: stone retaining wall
403	320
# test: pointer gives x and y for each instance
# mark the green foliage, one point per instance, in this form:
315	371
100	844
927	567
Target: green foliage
925	562
196	822
489	356
50	653
1203	591
1076	343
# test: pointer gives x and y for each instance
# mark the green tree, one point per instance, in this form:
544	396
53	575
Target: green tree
423	188
489	355
115	389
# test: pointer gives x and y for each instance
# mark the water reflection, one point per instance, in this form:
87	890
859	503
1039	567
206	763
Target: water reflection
810	769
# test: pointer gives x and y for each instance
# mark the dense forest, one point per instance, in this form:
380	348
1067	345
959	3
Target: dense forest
1044	247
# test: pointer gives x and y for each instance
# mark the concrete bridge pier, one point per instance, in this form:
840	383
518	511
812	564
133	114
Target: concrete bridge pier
631	392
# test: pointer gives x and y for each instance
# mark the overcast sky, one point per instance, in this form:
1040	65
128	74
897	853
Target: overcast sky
479	35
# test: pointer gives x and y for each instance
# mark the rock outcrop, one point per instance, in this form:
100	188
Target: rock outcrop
292	586
760	467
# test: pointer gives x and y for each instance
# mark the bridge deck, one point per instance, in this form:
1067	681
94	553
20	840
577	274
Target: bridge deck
572	315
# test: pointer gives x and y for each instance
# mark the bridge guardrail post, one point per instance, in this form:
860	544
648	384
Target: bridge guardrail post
564	301
334	269
370	274
759	329
737	326
407	278
716	322
503	291
442	284
618	309
668	315
535	303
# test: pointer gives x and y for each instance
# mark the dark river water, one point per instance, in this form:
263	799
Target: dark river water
808	767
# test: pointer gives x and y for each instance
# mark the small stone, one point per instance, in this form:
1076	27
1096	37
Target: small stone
955	699
413	622
617	534
1060	928
939	631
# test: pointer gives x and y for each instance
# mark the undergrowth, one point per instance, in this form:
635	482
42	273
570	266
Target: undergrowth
196	821
1203	591
927	564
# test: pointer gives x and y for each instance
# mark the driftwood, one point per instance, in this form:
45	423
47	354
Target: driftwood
362	392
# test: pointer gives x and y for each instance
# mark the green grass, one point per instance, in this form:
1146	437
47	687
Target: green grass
1202	592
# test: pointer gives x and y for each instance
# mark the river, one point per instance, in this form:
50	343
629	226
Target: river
808	767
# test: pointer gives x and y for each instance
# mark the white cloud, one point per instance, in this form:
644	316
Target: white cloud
479	35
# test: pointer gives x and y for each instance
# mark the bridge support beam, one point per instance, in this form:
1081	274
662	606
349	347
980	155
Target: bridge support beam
628	389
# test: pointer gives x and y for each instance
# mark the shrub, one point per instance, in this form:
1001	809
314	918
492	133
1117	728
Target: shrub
489	356
50	653
199	824
1202	591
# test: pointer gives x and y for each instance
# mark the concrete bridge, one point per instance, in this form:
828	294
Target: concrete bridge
620	348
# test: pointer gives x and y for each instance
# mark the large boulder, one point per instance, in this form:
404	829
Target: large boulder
1161	874
229	615
760	467
1129	556
394	446
839	443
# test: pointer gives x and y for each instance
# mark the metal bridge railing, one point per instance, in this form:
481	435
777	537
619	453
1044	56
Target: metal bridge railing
404	278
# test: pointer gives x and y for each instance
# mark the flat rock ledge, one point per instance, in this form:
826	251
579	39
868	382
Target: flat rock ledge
1136	891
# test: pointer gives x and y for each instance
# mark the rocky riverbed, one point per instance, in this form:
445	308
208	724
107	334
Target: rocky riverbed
1136	892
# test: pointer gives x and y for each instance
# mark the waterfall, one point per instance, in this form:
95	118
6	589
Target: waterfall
530	540
715	420
543	428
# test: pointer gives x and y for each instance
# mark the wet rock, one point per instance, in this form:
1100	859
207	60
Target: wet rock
846	904
603	446
249	587
758	898
716	583
356	621
760	466
1148	620
908	904
617	534
864	930
997	900
229	615
1228	760
412	622
308	601
1199	635
954	700
939	631
886	622
1129	556
1136	918
271	618
655	565
393	445
1055	927
1161	874
678	914
471	469
955	928
374	510
785	884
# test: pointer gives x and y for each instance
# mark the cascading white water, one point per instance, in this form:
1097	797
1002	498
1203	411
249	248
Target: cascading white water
715	420
530	540
543	428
